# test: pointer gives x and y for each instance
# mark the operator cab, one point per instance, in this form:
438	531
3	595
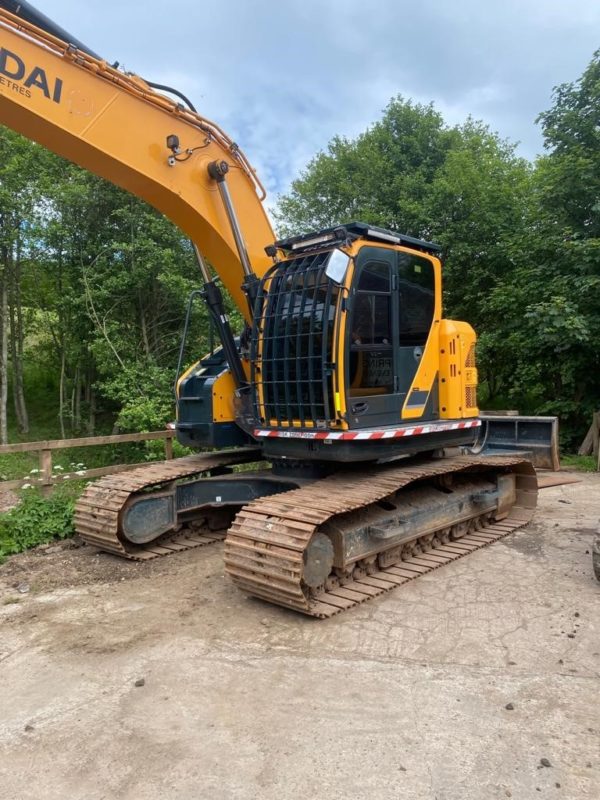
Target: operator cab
346	318
347	348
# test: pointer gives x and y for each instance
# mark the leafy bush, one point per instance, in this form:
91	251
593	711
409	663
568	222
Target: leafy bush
144	393
142	414
36	520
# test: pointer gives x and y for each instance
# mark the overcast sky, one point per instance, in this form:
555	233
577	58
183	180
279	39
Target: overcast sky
283	77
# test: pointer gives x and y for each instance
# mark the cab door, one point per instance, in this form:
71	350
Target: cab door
415	291
391	308
372	380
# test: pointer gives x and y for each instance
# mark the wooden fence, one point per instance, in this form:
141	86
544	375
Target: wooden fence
46	477
591	444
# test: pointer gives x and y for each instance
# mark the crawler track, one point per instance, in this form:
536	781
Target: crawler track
265	546
98	510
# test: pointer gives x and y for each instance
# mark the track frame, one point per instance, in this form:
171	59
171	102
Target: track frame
266	546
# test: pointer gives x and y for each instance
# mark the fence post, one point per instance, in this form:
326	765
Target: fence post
169	447
46	470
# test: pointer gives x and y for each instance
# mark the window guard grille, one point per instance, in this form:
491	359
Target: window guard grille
291	345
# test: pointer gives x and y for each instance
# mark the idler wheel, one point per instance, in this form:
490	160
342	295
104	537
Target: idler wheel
318	560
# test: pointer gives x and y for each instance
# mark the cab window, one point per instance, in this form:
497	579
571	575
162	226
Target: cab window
416	285
371	346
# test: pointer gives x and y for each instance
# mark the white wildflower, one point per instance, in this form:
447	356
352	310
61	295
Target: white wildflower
80	472
26	486
33	471
58	466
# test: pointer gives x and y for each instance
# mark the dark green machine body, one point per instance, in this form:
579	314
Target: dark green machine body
196	427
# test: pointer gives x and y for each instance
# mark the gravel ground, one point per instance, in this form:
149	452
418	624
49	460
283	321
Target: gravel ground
161	680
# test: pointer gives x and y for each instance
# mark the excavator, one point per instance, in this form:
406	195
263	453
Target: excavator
336	438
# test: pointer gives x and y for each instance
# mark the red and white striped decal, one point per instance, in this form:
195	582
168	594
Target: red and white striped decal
345	436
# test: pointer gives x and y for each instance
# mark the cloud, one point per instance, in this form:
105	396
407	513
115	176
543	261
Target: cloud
282	78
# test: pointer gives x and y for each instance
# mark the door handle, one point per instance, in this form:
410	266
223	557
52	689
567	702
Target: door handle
360	408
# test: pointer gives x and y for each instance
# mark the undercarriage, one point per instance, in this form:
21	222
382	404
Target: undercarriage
317	540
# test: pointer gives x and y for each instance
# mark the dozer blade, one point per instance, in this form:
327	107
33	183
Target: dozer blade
533	437
347	538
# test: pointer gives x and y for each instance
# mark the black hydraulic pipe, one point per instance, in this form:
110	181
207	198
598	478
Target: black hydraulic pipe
211	295
188	316
214	301
216	308
211	292
161	87
29	13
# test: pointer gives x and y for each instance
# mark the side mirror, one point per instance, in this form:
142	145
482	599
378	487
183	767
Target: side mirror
337	266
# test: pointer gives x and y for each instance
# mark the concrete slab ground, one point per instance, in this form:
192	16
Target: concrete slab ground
458	686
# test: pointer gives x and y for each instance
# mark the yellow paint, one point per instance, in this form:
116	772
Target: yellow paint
116	126
223	392
427	370
258	385
458	374
339	376
223	396
185	375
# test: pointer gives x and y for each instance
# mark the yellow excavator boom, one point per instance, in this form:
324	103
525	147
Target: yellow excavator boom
115	125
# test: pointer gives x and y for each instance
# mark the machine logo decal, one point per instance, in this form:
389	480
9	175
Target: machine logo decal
15	75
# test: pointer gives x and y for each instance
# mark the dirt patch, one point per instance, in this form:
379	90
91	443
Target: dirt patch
72	563
8	500
586	531
527	542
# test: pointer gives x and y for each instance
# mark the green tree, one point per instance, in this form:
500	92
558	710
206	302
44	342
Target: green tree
383	176
21	196
121	275
93	292
564	321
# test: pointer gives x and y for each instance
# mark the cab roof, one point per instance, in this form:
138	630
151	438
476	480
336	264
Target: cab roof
349	232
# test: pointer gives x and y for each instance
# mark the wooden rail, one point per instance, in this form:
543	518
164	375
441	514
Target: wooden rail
591	444
46	479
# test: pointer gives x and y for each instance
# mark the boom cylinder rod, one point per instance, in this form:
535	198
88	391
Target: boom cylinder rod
202	264
217	170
